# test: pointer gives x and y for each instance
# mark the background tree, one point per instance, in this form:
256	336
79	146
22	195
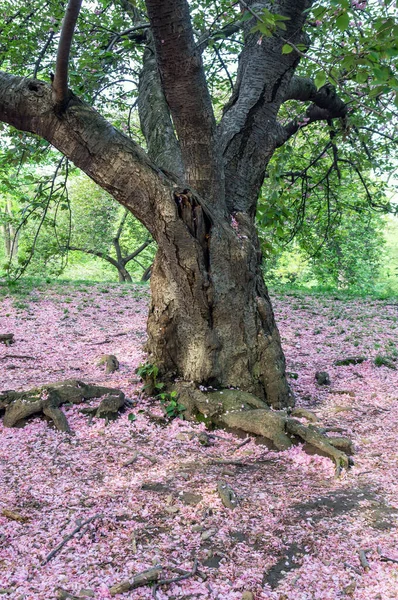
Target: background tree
196	189
102	229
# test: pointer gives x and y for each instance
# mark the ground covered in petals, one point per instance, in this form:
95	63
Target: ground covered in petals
297	532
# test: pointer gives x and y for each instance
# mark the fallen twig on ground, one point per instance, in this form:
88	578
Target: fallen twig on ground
245	441
14	516
17	356
143	578
186	575
80	525
363	560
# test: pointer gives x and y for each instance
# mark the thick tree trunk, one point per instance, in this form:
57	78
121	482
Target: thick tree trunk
211	320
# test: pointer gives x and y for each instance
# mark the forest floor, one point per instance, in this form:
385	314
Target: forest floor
297	531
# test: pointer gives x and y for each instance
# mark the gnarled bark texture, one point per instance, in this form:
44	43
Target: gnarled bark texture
211	320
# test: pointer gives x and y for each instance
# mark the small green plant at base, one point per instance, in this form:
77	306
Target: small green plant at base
171	405
148	373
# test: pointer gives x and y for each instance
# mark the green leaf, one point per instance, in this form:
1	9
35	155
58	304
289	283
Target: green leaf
343	21
362	76
287	49
320	79
131	417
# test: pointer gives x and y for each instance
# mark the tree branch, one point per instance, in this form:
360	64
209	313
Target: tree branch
97	253
137	252
184	85
127	32
305	90
219	34
110	158
156	125
42	53
249	130
326	105
60	83
121	224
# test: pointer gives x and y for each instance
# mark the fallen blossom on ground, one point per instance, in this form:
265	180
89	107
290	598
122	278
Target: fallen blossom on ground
297	530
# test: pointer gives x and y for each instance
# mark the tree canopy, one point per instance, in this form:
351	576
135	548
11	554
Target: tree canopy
351	46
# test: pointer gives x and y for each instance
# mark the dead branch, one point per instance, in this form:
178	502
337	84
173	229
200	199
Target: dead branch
80	525
14	516
185	575
21	356
238	463
245	441
63	594
131	460
363	560
143	578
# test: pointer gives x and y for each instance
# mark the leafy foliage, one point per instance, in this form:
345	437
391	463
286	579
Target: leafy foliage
325	175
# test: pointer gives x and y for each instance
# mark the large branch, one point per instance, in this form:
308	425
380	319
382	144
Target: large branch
60	83
184	85
110	158
156	125
326	105
97	253
249	130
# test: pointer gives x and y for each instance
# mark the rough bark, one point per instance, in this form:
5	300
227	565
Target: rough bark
211	320
155	120
180	65
110	158
249	130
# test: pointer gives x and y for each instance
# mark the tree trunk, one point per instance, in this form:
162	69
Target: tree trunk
124	275
211	321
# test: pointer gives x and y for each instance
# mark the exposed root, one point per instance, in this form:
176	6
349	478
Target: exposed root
243	411
319	441
47	400
7	338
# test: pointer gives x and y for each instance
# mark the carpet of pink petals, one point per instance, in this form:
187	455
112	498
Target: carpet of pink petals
297	531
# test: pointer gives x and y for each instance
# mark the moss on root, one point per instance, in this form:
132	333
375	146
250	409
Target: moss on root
243	411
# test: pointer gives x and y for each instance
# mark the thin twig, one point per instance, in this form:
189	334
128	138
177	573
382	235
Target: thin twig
245	441
238	463
17	356
69	537
176	579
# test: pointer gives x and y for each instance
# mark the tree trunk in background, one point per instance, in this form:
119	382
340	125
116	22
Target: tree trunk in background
10	235
124	275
